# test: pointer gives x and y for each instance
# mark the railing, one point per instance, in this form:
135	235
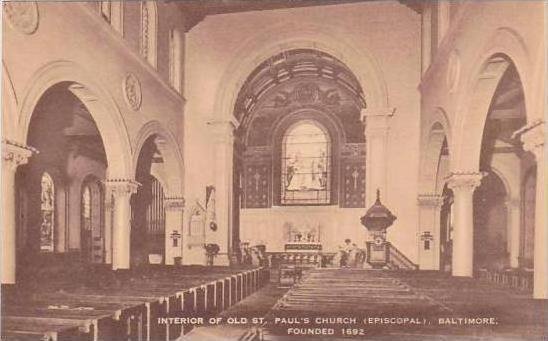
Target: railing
397	260
305	259
511	278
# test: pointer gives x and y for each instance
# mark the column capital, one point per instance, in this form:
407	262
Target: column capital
532	136
464	180
376	120
223	129
430	200
377	112
174	203
121	187
513	203
15	154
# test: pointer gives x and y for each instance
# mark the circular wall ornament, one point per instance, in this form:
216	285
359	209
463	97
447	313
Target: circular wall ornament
453	71
132	91
22	16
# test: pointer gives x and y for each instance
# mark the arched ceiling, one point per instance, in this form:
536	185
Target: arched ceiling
296	80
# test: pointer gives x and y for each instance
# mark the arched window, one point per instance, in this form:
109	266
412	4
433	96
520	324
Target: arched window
149	31
306	165
47	208
175	59
86	208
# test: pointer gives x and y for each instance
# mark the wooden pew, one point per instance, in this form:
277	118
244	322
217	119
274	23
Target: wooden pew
49	328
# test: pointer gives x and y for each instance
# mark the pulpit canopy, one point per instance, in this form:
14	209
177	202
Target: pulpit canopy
378	217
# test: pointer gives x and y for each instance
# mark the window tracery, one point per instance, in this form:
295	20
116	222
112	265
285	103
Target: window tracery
306	165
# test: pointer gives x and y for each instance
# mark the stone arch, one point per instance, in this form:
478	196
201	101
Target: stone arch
167	144
438	132
503	178
98	101
503	48
9	106
281	38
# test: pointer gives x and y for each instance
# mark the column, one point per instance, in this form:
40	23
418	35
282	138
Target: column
463	186
429	224
377	124
223	132
513	208
532	137
121	191
13	155
109	215
174	207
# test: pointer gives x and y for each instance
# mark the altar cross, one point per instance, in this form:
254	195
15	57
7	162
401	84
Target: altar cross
257	176
355	175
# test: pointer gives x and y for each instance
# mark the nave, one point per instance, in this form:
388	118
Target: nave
385	298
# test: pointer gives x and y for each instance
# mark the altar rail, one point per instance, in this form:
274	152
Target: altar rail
511	278
301	259
117	315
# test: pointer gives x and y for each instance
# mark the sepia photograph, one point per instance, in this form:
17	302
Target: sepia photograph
274	170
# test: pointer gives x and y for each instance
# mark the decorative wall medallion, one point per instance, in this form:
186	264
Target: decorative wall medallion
453	71
132	92
22	16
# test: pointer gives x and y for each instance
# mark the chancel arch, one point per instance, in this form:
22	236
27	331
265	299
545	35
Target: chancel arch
299	147
363	65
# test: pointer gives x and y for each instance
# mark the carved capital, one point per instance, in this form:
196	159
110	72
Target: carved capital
532	137
430	200
464	181
14	154
513	203
174	204
376	120
121	187
223	130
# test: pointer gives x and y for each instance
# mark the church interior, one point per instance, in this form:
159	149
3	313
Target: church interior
272	158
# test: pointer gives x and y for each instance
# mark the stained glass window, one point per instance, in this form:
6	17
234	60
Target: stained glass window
86	208
47	206
306	165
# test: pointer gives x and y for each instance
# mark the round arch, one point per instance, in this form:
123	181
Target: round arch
503	48
100	104
169	149
362	64
434	137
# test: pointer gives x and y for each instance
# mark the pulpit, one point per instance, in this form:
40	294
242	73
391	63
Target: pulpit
377	219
